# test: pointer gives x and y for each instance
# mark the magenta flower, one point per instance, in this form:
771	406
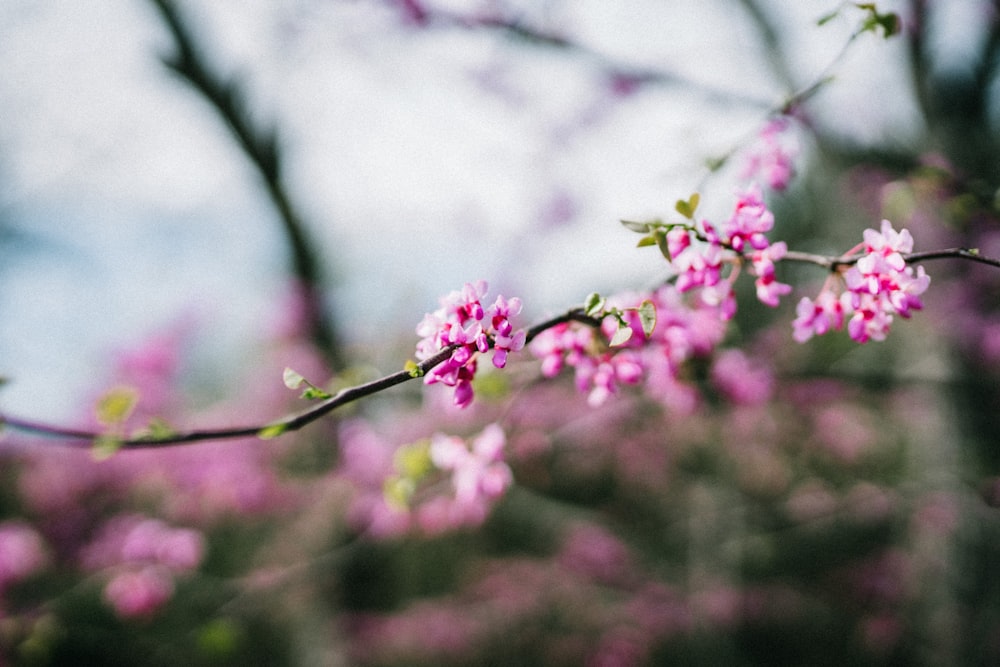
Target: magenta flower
599	369
560	346
817	317
601	377
878	285
698	266
505	339
137	540
768	288
882	284
720	298
462	322
685	328
750	221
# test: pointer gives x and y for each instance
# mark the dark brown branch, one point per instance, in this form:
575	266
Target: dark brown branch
261	146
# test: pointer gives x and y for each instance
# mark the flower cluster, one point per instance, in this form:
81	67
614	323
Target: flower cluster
432	485
685	328
697	253
878	285
599	368
479	475
142	556
464	324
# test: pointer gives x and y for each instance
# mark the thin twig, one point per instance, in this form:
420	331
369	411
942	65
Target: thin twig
836	263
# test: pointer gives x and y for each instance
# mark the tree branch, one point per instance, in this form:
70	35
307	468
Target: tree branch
292	422
261	146
296	421
836	263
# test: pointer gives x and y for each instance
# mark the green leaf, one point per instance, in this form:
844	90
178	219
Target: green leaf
647	316
646	241
714	164
622	335
660	236
105	447
156	429
116	405
888	22
272	431
638	227
413	368
314	393
594	304
294	380
687	208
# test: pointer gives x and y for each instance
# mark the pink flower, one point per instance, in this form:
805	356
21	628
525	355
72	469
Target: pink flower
505	339
817	317
721	299
770	159
599	369
871	319
750	221
698	266
132	539
477	477
740	379
879	285
561	345
479	474
462	322
601	377
768	287
22	552
139	593
882	284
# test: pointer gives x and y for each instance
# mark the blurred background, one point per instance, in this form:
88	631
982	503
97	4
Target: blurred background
194	196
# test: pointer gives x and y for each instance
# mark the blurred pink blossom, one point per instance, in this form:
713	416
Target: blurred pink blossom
595	553
741	379
22	552
771	158
479	474
139	593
